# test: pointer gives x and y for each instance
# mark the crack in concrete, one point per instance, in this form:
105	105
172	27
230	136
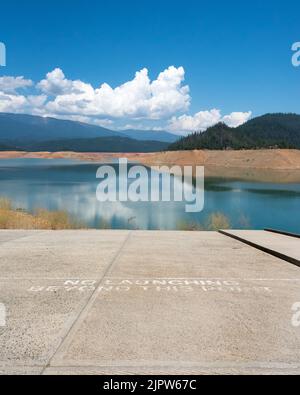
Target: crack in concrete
68	336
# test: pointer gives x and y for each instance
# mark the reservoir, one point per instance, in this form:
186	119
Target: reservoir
71	186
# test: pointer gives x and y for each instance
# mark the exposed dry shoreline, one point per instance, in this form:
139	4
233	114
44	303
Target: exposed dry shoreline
262	165
278	159
254	159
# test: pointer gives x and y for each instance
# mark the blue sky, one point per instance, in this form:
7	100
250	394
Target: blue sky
236	55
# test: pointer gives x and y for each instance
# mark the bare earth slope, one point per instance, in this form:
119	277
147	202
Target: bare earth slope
254	159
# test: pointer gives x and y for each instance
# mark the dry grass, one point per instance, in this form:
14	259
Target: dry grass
5	204
41	219
215	222
190	226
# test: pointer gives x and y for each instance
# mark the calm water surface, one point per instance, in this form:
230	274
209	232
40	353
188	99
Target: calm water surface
71	186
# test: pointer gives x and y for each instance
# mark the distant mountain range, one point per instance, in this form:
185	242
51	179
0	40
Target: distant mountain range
267	131
150	135
32	133
98	144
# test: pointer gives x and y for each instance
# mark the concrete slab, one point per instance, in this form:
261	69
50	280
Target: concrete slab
59	254
194	254
106	302
36	321
9	235
186	327
21	371
284	246
208	369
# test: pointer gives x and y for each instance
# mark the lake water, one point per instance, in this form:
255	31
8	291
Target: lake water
71	186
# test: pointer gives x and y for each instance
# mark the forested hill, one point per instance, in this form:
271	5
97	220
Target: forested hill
267	131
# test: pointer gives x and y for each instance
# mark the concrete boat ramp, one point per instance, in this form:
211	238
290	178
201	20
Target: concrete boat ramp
122	302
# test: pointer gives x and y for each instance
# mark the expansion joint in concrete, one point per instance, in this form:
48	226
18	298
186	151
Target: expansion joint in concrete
80	317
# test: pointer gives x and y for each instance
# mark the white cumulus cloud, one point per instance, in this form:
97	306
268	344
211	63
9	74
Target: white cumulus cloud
198	122
56	84
138	98
236	119
12	84
14	103
204	119
148	104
